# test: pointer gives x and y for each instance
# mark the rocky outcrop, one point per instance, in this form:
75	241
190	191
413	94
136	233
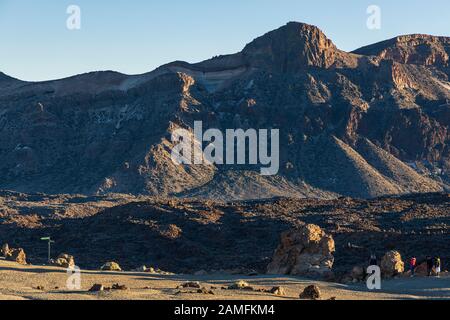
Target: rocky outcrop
111	266
392	264
65	260
5	250
17	255
304	251
412	49
291	48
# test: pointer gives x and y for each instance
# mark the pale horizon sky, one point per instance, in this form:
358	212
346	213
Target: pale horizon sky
137	36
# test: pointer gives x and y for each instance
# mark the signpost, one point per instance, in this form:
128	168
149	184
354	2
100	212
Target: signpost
49	241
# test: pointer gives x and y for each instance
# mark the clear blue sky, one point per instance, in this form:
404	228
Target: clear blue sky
136	36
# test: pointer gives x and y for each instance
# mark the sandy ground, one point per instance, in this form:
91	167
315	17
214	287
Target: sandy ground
20	282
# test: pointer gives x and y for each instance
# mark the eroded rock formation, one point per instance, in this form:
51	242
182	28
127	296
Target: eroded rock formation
304	251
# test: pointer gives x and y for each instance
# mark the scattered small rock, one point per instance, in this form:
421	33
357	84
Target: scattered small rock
279	291
117	286
111	266
153	270
311	293
97	288
240	285
205	291
140	269
248	289
191	284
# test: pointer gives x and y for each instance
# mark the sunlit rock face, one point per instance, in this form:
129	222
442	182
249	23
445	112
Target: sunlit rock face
363	124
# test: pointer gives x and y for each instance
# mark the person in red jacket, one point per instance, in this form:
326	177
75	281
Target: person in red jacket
413	265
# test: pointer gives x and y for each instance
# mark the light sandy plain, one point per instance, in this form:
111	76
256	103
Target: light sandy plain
19	282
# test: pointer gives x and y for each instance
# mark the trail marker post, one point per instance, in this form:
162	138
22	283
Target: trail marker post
49	241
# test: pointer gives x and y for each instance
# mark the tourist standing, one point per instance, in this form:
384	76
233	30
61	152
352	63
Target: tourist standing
412	266
437	266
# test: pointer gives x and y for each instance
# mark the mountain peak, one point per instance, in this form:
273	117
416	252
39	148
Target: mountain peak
293	46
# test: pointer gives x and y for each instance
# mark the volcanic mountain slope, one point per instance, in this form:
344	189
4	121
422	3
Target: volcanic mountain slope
363	124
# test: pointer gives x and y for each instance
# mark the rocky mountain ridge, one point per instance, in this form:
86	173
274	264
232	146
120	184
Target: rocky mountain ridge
363	124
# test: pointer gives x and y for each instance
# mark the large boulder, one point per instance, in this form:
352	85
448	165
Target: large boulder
65	260
392	264
304	251
17	255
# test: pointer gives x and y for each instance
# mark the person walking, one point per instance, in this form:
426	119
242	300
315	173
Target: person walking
437	266
412	266
430	264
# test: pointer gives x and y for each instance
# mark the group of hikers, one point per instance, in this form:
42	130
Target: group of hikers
433	265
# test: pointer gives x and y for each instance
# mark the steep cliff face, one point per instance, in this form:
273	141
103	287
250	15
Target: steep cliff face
363	124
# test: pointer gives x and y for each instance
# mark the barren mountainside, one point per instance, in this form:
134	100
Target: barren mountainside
184	235
368	123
